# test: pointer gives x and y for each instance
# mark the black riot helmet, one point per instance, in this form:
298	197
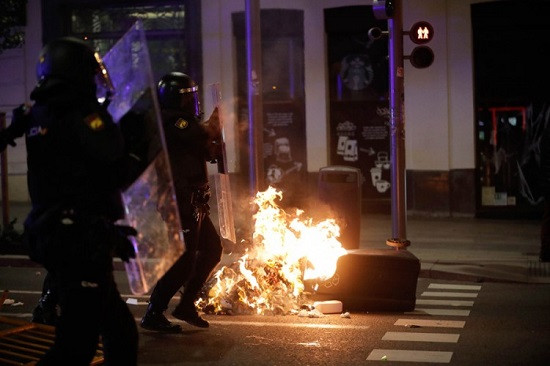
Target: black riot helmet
72	61
177	91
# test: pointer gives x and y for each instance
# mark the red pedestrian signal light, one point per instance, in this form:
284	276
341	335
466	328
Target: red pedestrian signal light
421	56
421	32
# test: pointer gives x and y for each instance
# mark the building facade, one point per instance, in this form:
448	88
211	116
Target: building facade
324	95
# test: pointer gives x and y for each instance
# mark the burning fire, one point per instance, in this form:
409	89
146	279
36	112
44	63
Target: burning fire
286	250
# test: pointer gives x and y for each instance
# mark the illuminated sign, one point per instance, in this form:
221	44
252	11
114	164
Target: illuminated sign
421	32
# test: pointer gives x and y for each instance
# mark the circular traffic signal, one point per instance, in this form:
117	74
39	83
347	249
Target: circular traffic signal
421	32
421	57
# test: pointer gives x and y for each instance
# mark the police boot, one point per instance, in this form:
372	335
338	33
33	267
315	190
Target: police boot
187	312
155	320
46	310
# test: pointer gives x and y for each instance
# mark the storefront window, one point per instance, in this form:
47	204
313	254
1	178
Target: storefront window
283	105
358	93
164	26
500	138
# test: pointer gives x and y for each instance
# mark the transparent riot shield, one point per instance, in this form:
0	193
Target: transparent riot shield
150	201
223	188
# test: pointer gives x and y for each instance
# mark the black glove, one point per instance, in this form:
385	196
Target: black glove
122	245
5	140
19	122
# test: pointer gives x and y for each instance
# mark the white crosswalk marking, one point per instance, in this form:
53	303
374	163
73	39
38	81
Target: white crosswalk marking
409	356
446	286
444	302
449	294
421	337
430	323
448	312
447	307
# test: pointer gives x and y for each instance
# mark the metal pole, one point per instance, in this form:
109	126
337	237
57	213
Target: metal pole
4	171
255	111
397	128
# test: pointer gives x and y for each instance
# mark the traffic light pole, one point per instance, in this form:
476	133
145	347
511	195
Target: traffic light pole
397	128
255	111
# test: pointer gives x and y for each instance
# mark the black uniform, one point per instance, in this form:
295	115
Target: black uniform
75	154
189	150
544	254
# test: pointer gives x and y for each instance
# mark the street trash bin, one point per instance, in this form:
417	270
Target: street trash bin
340	188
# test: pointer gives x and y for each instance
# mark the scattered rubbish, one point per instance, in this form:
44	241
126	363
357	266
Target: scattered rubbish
310	314
315	314
328	306
303	313
134	301
3	297
384	358
11	302
345	315
412	326
38	273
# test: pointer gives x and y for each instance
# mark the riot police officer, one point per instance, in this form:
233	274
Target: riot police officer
191	143
75	153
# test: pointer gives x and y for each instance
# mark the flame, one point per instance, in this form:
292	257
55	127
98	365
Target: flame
286	250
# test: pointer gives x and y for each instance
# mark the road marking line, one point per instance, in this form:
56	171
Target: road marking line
23	292
254	324
450	312
287	325
421	337
454	287
431	323
444	302
141	296
17	315
409	356
449	294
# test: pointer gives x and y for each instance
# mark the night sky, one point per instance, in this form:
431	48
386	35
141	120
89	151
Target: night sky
511	46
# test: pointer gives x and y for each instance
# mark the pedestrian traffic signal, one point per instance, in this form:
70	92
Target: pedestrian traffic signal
421	32
421	57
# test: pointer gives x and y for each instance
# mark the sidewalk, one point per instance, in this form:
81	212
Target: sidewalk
465	249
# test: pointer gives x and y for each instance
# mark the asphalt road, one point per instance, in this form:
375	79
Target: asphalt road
454	323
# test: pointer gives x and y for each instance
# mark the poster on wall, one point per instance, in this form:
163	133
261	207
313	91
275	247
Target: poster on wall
359	137
284	148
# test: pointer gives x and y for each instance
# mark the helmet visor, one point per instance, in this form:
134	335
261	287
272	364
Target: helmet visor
190	100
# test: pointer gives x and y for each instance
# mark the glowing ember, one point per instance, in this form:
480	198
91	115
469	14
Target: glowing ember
287	249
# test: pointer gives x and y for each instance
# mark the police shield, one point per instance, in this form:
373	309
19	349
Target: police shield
223	188
149	200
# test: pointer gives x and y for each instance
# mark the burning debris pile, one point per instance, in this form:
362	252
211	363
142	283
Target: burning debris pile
286	250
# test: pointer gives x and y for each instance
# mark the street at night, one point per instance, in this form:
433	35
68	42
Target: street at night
454	322
474	306
274	182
